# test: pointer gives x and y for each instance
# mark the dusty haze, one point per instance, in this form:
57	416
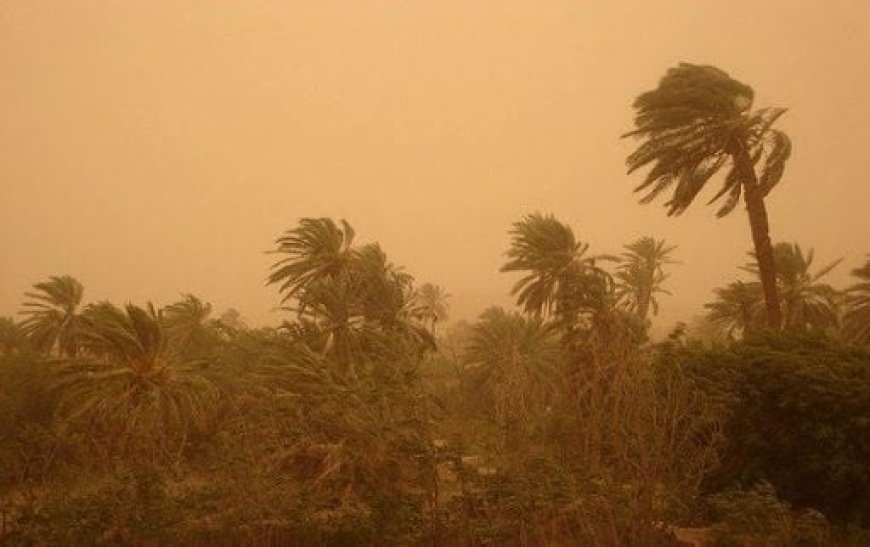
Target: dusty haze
158	147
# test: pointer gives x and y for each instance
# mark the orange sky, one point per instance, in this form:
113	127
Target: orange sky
151	148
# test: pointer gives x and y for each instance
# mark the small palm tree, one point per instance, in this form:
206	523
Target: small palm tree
430	304
515	362
12	339
52	320
189	327
856	320
641	274
694	124
808	304
128	389
738	308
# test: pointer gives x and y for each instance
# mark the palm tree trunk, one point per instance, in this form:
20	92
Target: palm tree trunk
760	228
643	308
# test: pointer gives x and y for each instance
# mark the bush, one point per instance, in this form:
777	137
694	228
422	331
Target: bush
797	415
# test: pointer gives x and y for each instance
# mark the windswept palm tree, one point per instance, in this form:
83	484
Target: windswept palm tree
188	325
808	304
737	308
856	320
565	284
316	249
354	296
640	275
698	122
52	320
128	389
553	261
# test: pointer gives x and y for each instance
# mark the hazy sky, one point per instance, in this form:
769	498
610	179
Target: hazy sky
151	148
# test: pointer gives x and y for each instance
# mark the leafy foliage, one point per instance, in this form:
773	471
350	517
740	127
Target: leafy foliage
560	425
808	304
355	297
128	390
12	338
694	123
737	308
52	322
857	317
514	362
797	410
641	274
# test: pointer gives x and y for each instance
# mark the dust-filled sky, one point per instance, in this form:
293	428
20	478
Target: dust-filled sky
151	148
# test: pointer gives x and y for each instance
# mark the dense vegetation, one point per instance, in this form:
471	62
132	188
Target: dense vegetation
365	418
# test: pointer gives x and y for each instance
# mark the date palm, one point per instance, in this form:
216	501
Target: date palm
189	327
12	340
514	362
808	304
316	249
553	262
355	296
856	320
430	304
640	275
699	122
52	320
128	389
737	308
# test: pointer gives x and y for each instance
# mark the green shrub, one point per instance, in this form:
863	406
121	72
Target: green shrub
797	415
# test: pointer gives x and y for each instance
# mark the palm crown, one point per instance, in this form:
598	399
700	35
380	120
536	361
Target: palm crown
551	258
52	320
641	274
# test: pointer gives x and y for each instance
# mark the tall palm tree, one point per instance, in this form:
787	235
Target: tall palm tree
808	304
51	312
697	122
641	274
857	317
128	387
737	308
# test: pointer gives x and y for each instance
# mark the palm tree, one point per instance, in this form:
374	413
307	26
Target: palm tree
737	308
554	262
355	296
563	282
857	317
12	340
430	303
694	124
514	361
128	387
641	274
52	315
188	325
316	249
807	303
